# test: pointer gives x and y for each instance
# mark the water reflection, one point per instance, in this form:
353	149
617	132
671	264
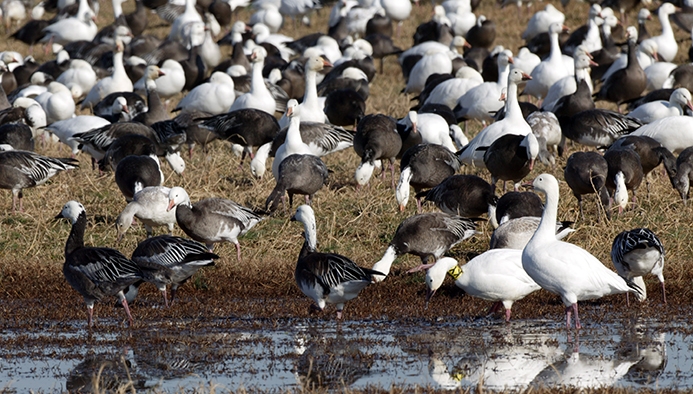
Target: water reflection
321	354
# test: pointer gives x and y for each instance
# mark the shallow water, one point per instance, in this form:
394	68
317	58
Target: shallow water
290	353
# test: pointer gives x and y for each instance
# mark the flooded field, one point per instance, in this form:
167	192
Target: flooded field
265	354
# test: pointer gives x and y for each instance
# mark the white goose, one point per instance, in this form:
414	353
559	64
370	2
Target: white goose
563	268
65	129
541	22
449	91
76	28
190	15
513	123
117	82
293	143
666	42
649	112
674	132
57	102
269	15
215	96
568	84
311	108
495	275
81	74
433	129
150	206
550	70
479	101
435	63
170	79
259	97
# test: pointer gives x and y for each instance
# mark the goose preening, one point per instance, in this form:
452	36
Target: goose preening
513	123
134	173
298	174
95	272
424	166
511	158
22	169
585	173
599	127
212	220
636	253
624	174
149	205
650	152
373	141
427	235
563	268
495	275
169	260
679	100
516	233
326	277
546	127
464	195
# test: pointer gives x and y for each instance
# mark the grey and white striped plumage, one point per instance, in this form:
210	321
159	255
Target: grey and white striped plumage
23	169
168	259
599	127
93	271
326	277
97	141
322	138
636	253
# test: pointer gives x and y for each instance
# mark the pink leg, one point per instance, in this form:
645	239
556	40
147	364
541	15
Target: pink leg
507	315
418	205
339	314
422	267
628	299
568	312
127	309
165	298
577	317
664	293
90	317
238	251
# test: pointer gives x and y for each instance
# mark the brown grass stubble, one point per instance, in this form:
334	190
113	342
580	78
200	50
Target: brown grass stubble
358	224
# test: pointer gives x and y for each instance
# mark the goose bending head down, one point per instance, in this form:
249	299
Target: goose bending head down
566	269
495	275
326	277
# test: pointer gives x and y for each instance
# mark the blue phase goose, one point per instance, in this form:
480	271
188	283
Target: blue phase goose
651	154
464	195
681	180
21	169
585	173
598	127
425	235
566	269
373	142
169	260
134	173
511	158
424	166
495	275
95	272
636	253
624	174
326	277
298	174
513	205
212	220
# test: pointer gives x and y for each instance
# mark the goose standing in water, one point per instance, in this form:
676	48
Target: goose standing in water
95	272
326	277
636	253
495	275
566	269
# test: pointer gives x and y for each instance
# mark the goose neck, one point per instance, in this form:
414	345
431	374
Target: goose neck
311	236
76	238
117	9
310	97
118	68
547	225
555	54
257	81
666	25
632	54
293	133
503	72
512	106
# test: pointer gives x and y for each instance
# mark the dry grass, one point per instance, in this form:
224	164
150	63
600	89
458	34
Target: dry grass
358	224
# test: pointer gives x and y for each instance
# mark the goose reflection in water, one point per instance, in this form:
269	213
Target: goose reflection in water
104	373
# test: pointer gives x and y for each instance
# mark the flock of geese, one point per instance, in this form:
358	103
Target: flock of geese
320	85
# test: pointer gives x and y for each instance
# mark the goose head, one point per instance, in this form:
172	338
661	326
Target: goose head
260	32
120	105
632	34
547	184
305	215
71	211
665	10
436	275
317	63
458	44
505	57
292	109
123	33
258	55
363	45
177	196
222	78
681	181
413	119
583	62
595	11
682	98
516	76
153	72
644	15
556	29
621	192
650	47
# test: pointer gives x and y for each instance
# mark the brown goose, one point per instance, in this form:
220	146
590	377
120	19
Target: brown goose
195	134
464	195
651	154
372	143
21	169
625	173
298	174
156	111
627	83
598	127
511	158
427	235
513	205
424	166
585	173
212	220
95	272
134	173
483	34
17	135
684	172
127	145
